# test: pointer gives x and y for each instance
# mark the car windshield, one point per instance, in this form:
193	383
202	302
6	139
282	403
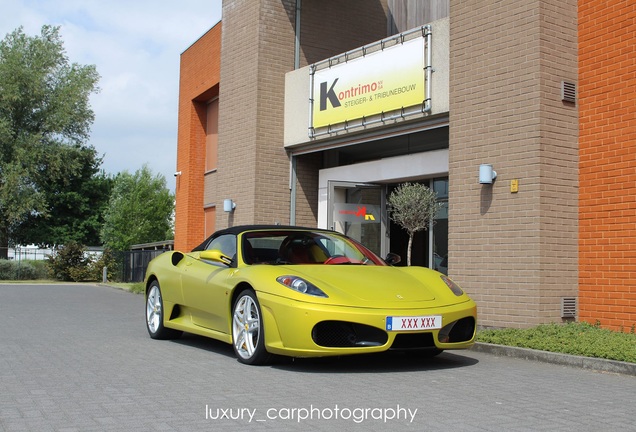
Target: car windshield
304	247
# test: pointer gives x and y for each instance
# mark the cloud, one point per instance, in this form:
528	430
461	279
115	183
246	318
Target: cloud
135	46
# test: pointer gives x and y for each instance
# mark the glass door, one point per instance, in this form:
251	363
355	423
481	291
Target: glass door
439	243
359	211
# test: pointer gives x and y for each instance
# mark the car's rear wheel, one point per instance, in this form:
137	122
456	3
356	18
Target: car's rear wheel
247	330
154	315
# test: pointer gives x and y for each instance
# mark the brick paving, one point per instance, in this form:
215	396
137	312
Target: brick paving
78	358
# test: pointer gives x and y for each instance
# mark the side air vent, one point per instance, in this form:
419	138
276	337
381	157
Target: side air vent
176	258
568	307
568	92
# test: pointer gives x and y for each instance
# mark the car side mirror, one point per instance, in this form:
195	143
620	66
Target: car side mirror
216	256
392	258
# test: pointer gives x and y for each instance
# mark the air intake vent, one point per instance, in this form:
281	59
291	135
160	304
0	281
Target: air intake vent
568	307
568	92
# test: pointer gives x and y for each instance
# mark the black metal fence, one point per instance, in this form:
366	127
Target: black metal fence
133	264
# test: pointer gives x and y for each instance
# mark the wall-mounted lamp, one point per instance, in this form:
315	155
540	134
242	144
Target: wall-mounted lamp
228	205
486	174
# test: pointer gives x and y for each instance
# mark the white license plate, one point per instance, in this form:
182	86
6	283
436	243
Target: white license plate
406	323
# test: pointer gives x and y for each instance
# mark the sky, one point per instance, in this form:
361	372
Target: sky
136	47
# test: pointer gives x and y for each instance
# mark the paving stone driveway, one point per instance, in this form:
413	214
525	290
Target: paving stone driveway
78	358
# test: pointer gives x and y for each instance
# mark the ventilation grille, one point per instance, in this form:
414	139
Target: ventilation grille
568	307
568	92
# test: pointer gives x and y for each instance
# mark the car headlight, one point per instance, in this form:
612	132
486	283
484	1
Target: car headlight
301	285
452	285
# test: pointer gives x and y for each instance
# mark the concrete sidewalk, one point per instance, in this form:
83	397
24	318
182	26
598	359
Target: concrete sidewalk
592	363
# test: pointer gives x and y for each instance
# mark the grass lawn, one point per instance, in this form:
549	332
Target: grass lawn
134	287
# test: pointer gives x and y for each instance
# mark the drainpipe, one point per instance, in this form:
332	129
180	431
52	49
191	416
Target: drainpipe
297	43
292	159
292	187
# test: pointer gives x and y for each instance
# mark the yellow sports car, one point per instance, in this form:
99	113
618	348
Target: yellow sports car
303	292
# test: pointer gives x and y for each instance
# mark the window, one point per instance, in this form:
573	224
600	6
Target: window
440	229
225	243
210	221
212	135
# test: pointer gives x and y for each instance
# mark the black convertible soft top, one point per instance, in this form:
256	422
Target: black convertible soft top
236	230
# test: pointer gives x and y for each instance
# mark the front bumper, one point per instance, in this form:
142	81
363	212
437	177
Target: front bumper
300	329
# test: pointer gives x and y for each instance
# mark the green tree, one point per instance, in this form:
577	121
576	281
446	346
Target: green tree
45	117
75	206
139	211
413	206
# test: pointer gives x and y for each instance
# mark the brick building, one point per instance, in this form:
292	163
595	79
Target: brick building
291	115
607	162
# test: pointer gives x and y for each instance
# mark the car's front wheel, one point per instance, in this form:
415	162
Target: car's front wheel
247	330
154	315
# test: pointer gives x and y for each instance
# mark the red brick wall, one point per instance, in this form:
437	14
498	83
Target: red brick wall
607	140
198	82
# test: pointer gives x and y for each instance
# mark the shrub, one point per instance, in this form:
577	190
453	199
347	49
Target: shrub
69	263
107	259
6	270
22	270
73	263
41	269
579	338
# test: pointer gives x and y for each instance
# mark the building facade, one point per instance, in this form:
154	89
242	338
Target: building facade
607	163
292	115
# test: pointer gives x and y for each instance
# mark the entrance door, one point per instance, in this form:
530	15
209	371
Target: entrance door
359	211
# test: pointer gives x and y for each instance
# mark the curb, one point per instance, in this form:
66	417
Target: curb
603	365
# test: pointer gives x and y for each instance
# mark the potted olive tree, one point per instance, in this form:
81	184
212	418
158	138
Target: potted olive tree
413	206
